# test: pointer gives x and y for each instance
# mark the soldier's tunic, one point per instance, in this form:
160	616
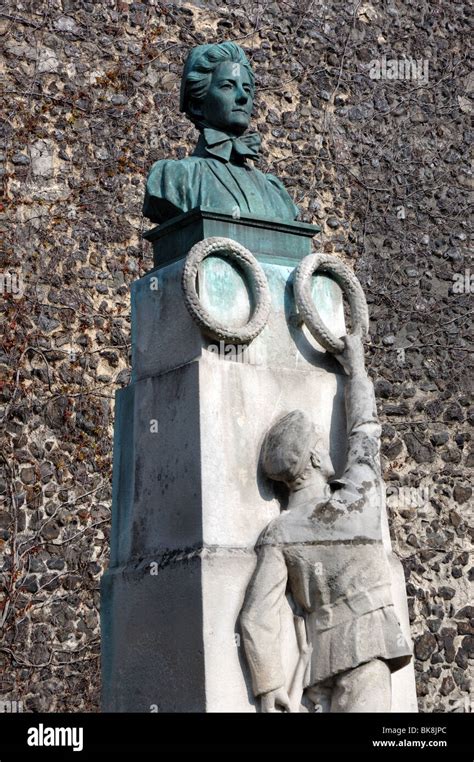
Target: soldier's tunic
331	557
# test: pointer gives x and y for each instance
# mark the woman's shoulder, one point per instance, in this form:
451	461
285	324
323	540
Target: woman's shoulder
274	180
177	167
279	186
172	188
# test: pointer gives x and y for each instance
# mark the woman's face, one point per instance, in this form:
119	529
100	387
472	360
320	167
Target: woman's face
229	100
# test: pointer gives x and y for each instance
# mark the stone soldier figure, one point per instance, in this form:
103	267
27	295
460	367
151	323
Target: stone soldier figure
327	550
217	91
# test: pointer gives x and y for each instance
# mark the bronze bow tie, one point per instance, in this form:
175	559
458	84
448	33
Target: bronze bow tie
223	146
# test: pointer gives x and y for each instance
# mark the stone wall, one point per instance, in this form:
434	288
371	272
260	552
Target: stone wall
382	164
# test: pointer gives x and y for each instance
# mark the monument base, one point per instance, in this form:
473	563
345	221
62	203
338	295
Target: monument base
189	498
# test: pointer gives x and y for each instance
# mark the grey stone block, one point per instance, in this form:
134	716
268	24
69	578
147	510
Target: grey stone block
164	336
189	495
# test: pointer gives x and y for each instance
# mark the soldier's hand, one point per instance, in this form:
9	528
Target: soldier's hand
274	701
352	356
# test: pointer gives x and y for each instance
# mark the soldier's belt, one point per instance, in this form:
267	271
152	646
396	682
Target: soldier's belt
350	607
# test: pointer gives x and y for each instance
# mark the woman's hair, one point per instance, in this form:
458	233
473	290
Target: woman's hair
199	67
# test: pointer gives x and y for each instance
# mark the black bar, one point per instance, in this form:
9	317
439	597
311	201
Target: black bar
423	734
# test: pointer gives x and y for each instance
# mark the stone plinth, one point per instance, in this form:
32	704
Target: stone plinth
189	500
277	242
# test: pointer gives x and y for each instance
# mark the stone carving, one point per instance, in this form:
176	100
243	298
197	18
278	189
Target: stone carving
187	509
246	262
345	278
327	549
217	92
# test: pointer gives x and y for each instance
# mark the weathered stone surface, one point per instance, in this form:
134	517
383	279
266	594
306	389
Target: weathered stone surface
358	171
193	517
164	335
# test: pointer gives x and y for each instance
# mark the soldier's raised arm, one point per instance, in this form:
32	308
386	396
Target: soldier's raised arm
363	428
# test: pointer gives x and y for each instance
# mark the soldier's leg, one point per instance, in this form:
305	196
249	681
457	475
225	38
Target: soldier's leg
367	688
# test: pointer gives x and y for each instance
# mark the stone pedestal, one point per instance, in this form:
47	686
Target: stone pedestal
189	500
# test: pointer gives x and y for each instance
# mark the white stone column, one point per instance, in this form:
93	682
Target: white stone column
189	499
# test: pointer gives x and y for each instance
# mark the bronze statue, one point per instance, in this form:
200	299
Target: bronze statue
217	92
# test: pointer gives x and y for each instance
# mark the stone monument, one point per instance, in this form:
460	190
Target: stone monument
236	408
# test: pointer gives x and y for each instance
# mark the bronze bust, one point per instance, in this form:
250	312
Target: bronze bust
217	91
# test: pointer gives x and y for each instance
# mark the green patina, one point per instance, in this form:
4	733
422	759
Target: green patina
217	93
224	291
284	243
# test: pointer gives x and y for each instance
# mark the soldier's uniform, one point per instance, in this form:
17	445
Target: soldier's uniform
331	557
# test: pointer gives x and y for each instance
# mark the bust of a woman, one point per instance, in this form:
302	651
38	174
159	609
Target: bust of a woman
217	91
